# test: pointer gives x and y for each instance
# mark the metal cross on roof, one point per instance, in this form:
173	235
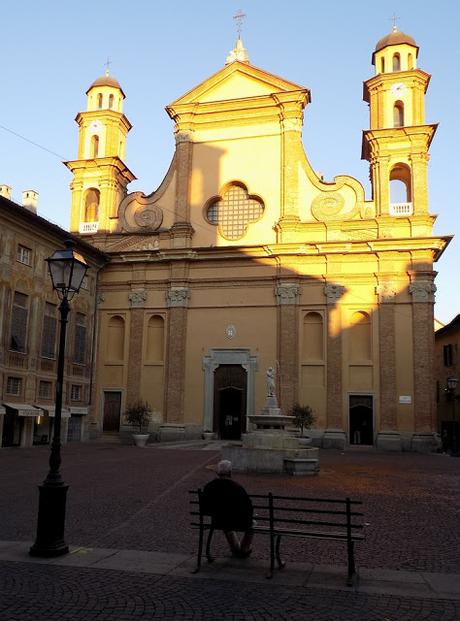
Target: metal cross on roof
394	19
107	65
239	19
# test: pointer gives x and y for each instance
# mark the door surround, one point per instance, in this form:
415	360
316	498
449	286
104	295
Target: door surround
215	358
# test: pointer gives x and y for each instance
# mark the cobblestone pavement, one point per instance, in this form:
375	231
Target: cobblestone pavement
50	593
128	498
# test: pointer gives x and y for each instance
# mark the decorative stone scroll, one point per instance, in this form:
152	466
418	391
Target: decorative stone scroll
287	293
422	291
327	206
137	298
333	293
386	291
100	299
177	297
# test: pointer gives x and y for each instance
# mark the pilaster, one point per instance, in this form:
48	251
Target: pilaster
287	295
177	302
388	438
422	292
137	300
334	436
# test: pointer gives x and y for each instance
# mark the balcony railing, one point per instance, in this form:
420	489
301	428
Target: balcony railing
88	227
401	209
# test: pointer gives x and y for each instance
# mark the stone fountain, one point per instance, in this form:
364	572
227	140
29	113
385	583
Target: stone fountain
269	445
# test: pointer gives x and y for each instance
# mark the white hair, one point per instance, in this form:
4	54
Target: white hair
224	467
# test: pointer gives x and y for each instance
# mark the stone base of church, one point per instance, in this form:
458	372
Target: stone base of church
389	441
334	438
424	443
268	460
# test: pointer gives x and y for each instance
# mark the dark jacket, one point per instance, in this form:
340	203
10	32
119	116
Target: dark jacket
228	503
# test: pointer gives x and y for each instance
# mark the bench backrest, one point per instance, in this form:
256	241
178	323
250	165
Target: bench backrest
322	515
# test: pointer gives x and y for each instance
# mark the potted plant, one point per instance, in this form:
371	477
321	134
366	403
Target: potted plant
303	419
138	414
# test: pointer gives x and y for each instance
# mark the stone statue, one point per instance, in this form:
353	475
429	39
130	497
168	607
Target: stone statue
270	382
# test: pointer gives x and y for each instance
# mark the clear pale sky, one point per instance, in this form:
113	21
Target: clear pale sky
51	51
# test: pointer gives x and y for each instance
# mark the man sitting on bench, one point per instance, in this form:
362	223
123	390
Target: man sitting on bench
230	507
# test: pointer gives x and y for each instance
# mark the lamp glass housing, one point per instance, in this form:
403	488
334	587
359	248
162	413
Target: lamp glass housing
452	383
67	269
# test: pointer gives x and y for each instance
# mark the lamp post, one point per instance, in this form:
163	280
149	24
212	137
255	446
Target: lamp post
67	270
451	386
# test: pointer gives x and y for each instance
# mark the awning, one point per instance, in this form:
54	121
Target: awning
23	409
79	411
51	410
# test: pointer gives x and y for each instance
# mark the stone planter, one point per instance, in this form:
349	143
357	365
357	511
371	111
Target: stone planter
305	440
140	439
208	435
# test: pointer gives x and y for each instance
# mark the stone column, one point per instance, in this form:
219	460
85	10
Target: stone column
287	295
334	435
388	438
182	230
137	300
422	292
291	141
177	302
420	183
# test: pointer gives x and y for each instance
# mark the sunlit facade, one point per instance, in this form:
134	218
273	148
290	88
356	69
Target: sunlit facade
245	258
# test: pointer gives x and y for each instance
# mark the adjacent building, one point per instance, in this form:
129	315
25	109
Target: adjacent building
29	329
447	366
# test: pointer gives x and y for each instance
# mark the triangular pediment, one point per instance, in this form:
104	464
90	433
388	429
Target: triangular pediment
237	80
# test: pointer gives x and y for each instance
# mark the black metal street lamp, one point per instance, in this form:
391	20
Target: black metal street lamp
67	270
451	386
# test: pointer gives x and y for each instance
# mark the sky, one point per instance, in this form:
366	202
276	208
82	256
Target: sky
51	51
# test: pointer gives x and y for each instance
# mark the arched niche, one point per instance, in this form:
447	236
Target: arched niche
360	337
155	339
92	198
115	350
312	337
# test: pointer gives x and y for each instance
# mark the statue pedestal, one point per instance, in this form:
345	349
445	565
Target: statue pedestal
269	448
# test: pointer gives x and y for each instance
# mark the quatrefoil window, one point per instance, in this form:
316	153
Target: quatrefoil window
234	211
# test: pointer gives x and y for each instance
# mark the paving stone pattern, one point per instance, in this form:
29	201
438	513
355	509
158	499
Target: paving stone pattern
51	593
128	498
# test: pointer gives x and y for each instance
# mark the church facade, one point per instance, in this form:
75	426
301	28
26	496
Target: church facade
244	259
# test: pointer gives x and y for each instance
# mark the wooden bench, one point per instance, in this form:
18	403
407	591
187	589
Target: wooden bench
288	516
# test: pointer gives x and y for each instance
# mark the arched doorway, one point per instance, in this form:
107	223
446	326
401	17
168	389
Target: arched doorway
230	394
361	425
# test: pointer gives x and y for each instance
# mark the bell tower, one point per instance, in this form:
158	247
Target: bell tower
397	143
100	175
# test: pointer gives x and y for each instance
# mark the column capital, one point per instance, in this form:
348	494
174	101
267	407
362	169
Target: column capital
177	297
137	298
422	291
333	293
386	291
287	293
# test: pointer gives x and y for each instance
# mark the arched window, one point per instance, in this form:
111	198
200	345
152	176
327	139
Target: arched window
360	337
99	100
116	339
312	337
95	146
155	339
382	65
92	197
398	114
110	101
410	62
400	184
396	62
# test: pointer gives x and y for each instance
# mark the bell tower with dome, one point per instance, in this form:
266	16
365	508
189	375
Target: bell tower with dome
100	174
397	143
